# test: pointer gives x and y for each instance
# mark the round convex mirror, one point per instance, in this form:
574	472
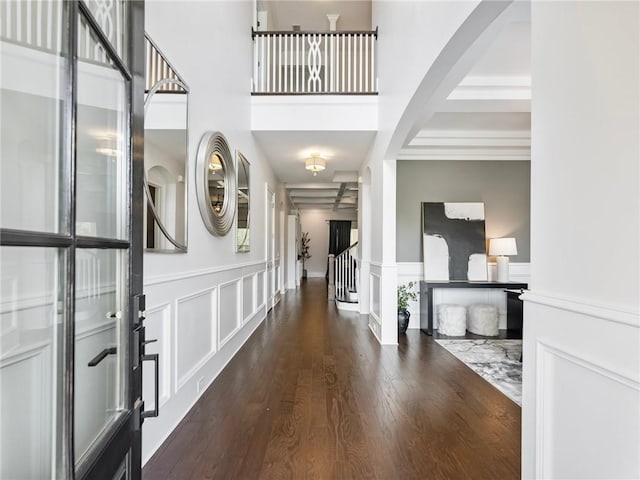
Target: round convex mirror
216	183
165	165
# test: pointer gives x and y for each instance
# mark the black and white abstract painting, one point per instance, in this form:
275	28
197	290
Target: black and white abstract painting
453	241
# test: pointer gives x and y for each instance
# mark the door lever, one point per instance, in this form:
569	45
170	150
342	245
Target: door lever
148	341
102	355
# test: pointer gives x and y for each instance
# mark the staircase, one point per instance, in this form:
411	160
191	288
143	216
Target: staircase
344	279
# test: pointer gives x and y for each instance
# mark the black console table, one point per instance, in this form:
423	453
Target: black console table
426	296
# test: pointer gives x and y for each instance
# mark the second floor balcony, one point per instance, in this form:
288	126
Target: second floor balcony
314	63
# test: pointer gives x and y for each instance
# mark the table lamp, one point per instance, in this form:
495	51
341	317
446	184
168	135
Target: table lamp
501	248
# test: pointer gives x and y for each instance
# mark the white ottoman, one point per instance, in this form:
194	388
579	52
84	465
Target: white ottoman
452	320
483	320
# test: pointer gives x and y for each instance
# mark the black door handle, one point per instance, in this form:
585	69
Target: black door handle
153	358
102	355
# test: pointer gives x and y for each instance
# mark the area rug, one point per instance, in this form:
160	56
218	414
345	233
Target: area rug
497	361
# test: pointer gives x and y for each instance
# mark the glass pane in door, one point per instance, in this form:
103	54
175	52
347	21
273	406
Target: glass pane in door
32	75
111	15
30	362
102	129
100	345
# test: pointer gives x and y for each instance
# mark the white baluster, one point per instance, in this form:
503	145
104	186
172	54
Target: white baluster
291	62
262	62
349	64
373	59
342	41
332	69
39	23
28	21
7	17
360	65
49	27
268	63
284	69
326	66
297	63
366	63
302	71
279	63
19	21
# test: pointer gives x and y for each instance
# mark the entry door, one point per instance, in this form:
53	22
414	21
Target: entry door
71	239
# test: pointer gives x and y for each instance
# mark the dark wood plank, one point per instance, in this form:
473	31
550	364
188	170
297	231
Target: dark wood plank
312	395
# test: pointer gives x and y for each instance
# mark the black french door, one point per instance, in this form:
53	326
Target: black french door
71	211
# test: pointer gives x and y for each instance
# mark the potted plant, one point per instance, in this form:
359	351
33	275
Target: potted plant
405	294
304	251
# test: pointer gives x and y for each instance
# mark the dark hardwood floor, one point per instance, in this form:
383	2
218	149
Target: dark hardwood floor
312	395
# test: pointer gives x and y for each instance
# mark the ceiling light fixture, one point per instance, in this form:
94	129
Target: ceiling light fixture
214	163
315	163
106	146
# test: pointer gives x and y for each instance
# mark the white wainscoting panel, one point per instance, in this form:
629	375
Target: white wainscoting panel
569	388
581	391
157	327
229	322
260	289
185	318
28	416
414	271
375	323
248	298
195	333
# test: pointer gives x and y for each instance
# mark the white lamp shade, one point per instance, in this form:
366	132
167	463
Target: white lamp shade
502	246
315	164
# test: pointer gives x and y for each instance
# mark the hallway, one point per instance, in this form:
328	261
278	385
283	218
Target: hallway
312	395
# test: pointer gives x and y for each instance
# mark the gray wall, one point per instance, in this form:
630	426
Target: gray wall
503	186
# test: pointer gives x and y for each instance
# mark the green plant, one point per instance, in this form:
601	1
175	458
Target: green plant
304	247
405	293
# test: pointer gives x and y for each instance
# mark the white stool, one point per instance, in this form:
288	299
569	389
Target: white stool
452	320
483	320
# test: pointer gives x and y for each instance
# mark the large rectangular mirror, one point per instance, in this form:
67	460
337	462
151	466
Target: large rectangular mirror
165	155
243	237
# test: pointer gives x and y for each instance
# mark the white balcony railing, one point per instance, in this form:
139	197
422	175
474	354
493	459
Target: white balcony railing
303	63
343	275
158	68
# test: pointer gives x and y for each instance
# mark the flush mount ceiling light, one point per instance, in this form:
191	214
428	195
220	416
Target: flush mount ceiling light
315	163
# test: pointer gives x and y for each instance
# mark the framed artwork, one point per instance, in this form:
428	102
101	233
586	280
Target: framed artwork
453	241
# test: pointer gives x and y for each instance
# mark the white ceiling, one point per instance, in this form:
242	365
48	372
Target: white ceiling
288	150
344	152
487	121
508	55
487	116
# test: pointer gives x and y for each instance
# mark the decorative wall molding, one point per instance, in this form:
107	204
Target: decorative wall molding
469	145
164	435
492	88
162	347
158	279
547	357
234	285
182	378
584	307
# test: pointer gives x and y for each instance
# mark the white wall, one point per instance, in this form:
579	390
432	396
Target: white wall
581	391
316	222
419	30
204	304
